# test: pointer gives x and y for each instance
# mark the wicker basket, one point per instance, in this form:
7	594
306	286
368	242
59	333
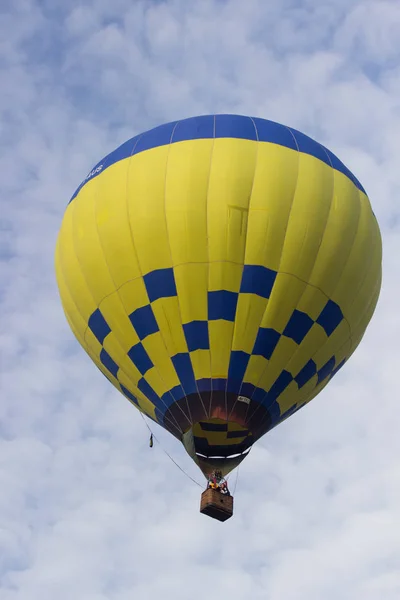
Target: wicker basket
216	505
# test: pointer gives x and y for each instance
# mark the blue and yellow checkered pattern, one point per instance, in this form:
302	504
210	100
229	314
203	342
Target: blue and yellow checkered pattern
219	254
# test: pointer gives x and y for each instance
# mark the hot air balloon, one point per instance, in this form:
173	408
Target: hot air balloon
219	271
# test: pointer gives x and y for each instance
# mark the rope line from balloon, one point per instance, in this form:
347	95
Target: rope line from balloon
237	474
179	467
169	456
236	480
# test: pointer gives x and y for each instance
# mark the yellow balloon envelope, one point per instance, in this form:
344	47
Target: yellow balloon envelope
219	271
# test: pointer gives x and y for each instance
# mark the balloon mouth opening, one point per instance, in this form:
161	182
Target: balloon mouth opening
220	456
225	464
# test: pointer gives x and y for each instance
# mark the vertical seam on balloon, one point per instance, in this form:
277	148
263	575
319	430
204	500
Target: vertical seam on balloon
371	266
355	340
354	239
315	391
62	274
346	263
73	247
95	203
315	260
350	338
88	288
366	275
247	415
172	263
127	205
208	261
278	271
244	260
115	287
298	349
116	290
95	196
327	297
307	284
85	345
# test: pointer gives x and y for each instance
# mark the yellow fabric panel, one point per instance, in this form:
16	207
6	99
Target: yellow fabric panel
74	317
305	392
186	190
343	352
369	309
155	348
144	404
285	295
191	286
111	219
316	391
87	245
112	345
146	193
147	407
356	267
340	336
117	318
288	398
133	295
256	366
201	362
312	302
76	331
220	333
311	204
131	385
232	426
168	316
314	340
126	367
337	241
270	205
93	349
71	270
156	382
249	314
278	362
215	438
93	345
225	276
229	191
105	372
359	302
358	330
120	340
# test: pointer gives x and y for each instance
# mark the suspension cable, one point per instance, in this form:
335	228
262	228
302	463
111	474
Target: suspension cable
237	474
236	480
169	456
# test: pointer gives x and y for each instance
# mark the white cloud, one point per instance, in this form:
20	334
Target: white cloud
87	510
369	33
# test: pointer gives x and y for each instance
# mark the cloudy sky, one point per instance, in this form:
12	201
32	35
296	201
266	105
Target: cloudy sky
87	510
